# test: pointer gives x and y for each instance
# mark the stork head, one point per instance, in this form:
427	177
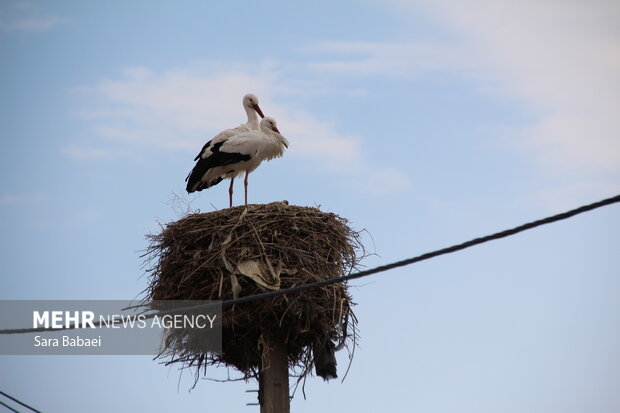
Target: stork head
268	124
250	101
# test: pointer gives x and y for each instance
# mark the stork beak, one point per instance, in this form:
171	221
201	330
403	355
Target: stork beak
257	109
275	129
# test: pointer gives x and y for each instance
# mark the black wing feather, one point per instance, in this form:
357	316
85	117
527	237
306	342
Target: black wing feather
216	159
206	145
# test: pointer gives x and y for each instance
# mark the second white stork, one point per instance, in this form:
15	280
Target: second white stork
239	153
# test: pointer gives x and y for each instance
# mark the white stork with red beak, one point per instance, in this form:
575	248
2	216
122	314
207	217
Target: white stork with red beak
251	107
229	155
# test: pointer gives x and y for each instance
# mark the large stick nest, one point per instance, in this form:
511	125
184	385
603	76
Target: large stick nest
248	250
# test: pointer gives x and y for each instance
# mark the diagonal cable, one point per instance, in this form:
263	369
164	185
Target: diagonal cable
360	274
18	402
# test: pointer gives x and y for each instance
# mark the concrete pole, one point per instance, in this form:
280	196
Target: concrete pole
273	383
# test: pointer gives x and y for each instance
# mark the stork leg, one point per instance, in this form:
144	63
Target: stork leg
230	190
245	184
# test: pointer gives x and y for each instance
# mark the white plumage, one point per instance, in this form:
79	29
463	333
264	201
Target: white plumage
231	156
250	105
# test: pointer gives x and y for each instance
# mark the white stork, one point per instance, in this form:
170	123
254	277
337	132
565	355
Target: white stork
250	104
231	156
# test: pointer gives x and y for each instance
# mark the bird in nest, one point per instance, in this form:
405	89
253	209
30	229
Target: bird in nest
236	151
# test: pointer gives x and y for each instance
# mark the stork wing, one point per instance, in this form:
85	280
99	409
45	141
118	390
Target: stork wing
207	149
239	148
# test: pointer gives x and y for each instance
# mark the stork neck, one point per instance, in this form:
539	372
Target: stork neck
252	118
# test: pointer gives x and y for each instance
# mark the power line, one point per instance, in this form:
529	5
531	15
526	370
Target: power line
18	402
360	274
8	407
429	255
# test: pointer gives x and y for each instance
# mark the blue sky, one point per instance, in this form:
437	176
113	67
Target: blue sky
425	123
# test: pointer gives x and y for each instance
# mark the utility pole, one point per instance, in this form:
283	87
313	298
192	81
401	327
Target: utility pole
273	382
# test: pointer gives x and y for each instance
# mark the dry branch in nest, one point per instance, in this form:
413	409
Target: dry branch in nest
251	249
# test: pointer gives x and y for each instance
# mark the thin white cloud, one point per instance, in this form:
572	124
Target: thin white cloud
181	108
24	17
399	59
567	73
174	109
561	59
32	24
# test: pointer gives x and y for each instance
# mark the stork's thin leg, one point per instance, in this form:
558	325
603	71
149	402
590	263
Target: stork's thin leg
245	183
230	190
